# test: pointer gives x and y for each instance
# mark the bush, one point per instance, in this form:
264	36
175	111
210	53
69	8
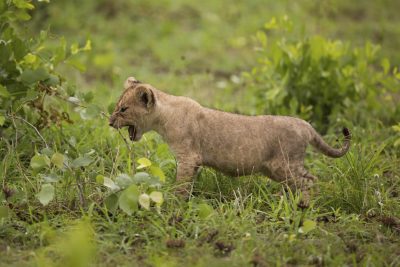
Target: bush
320	79
30	86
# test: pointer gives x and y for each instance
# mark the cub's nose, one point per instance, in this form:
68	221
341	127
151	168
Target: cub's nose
111	121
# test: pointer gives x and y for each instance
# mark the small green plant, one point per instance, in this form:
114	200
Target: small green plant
319	79
129	192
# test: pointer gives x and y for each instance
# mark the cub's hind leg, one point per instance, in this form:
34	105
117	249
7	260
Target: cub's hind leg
302	181
293	175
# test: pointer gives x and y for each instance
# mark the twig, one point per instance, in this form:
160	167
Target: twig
104	114
16	132
129	149
14	145
82	106
71	102
114	162
81	193
30	124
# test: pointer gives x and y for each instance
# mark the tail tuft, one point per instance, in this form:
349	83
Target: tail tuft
346	133
322	146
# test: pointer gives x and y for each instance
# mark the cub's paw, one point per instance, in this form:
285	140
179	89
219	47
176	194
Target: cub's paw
183	191
303	203
304	200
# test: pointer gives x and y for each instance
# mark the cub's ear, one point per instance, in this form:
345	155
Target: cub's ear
145	96
130	82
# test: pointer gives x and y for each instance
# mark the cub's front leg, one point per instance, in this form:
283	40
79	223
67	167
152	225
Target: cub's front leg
187	168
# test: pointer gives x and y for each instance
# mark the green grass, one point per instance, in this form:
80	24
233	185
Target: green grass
355	213
193	48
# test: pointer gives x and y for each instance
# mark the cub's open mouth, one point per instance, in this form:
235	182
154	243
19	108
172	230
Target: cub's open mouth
132	132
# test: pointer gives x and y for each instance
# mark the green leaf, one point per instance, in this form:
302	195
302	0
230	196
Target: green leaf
23	4
51	178
74	48
53	80
47	151
30	58
81	162
88	46
58	160
272	24
128	200
30	76
157	197
156	171
123	180
100	179
111	202
39	162
204	210
19	47
110	184
396	128
46	194
141	177
144	162
144	201
308	225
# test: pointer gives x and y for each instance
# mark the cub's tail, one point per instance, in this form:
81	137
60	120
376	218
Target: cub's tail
322	146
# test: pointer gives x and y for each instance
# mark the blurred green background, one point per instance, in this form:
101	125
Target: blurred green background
190	47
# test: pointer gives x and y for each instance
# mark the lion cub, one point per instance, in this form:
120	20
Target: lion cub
231	143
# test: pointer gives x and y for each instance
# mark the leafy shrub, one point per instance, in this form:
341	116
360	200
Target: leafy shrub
30	86
319	79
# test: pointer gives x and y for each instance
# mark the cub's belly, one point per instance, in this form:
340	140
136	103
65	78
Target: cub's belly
235	160
235	169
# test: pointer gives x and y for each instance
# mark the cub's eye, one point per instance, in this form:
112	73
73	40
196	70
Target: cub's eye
123	109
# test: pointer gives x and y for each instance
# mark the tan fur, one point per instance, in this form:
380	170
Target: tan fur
231	143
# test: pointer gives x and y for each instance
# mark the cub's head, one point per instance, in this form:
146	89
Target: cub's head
134	108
